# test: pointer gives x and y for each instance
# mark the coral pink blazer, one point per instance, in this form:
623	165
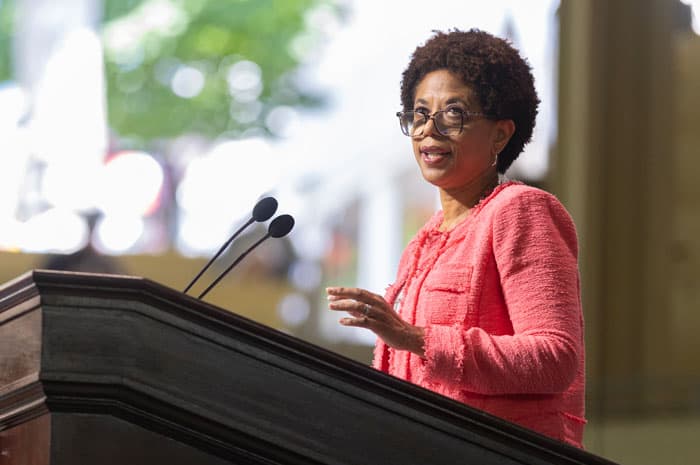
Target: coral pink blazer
499	299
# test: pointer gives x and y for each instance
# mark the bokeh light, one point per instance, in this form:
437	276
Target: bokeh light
117	234
130	183
245	81
187	82
294	309
56	230
220	188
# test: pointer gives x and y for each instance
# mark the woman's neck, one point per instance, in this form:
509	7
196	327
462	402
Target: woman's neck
457	204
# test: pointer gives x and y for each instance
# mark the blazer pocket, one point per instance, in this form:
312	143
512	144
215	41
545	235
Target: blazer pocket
446	295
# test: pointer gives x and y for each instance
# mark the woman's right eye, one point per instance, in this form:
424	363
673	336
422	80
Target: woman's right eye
420	116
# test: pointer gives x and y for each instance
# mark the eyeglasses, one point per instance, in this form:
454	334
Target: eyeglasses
448	122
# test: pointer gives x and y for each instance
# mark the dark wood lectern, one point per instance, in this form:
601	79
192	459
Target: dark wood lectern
107	370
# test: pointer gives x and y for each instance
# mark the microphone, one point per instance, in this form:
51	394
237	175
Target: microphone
279	227
262	211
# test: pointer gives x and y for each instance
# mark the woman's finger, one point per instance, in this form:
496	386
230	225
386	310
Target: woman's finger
353	293
354	307
359	322
335	294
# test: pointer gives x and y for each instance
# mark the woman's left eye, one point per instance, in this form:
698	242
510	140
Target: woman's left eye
455	111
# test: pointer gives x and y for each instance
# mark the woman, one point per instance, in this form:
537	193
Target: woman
486	304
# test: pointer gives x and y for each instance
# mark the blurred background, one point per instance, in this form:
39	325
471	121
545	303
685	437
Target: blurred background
137	135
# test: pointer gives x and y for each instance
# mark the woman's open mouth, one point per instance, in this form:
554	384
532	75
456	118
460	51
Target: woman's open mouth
433	155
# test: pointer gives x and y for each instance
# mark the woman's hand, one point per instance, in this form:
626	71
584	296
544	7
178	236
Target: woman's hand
371	311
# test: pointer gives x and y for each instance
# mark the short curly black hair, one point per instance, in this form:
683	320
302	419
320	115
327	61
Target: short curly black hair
500	78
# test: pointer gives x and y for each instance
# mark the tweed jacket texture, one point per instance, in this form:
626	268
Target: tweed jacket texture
499	298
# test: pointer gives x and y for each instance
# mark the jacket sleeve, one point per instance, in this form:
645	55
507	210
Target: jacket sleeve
535	249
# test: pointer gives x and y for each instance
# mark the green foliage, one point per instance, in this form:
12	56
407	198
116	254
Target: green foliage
147	41
6	12
210	37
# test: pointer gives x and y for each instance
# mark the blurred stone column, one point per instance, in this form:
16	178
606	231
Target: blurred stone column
42	26
58	61
684	272
379	236
612	167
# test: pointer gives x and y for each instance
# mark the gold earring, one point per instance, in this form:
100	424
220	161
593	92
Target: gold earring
496	152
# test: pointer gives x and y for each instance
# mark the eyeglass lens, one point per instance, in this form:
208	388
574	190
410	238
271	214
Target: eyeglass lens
446	122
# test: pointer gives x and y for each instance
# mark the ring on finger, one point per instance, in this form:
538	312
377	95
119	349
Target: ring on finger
365	309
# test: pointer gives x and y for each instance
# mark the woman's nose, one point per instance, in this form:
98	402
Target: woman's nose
429	128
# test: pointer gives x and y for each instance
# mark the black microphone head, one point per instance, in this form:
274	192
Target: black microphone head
264	209
280	226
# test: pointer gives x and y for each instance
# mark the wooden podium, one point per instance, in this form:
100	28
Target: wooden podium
106	370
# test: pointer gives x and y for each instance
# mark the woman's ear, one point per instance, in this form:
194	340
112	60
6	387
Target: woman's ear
504	130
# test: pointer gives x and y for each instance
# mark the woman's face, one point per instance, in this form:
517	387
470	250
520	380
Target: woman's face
455	162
